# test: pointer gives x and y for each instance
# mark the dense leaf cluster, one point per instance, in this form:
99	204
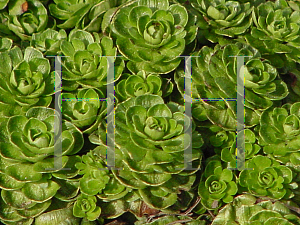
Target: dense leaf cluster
169	168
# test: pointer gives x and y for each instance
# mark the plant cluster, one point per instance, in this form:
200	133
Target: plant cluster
64	117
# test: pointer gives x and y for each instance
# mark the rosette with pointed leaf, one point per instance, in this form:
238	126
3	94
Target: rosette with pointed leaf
246	209
85	62
25	80
86	207
114	198
95	177
223	18
217	185
267	178
31	172
85	15
276	31
280	132
84	108
153	34
150	147
215	77
132	85
228	154
214	136
48	41
21	18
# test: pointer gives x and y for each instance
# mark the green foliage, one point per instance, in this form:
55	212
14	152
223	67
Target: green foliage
172	219
135	85
20	23
276	32
153	34
215	76
84	65
217	185
85	15
48	41
267	178
94	179
150	137
132	112
224	18
280	132
85	207
85	113
25	80
228	154
28	174
245	210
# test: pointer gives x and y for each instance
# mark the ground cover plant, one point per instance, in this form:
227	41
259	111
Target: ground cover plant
97	125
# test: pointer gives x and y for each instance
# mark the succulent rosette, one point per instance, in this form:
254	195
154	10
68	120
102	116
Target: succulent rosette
223	18
132	85
83	64
214	137
114	198
85	207
267	178
29	175
222	139
276	31
152	34
150	154
246	209
85	108
215	77
151	143
48	41
85	15
95	177
25	80
217	185
228	154
21	18
280	132
97	180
